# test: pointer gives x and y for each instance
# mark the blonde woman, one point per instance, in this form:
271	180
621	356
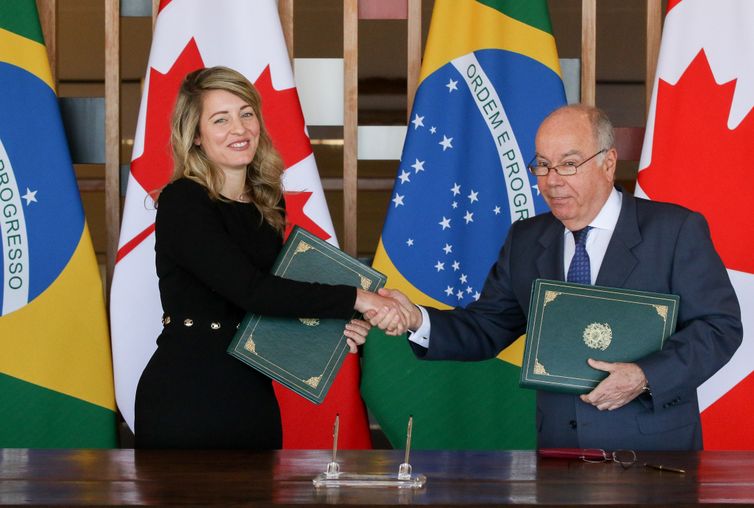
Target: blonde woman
218	230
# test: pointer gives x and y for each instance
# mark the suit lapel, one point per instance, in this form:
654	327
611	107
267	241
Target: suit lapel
619	259
550	259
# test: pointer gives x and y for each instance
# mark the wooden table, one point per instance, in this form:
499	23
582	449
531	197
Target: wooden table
124	477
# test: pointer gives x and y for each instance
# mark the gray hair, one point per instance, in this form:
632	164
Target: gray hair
602	127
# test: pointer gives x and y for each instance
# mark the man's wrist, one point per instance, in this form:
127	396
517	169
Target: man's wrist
416	318
646	388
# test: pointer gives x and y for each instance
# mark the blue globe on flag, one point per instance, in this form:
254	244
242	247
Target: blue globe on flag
41	224
462	179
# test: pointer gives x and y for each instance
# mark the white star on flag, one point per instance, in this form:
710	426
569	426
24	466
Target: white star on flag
418	121
398	200
468	289
456	266
454	204
469	217
456	190
446	142
459	294
418	165
449	290
433	129
404	176
473	196
463	278
448	248
452	85
30	196
440	266
410	242
535	186
445	223
496	210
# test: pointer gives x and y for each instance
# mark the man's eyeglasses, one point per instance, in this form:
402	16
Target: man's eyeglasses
540	168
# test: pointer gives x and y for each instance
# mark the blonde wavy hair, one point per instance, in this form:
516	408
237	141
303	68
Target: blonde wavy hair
264	174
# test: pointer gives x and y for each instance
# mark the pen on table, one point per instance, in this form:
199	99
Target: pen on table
335	436
408	438
660	467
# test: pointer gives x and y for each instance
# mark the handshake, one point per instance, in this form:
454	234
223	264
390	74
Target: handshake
389	310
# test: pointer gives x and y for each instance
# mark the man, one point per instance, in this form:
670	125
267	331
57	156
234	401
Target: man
623	242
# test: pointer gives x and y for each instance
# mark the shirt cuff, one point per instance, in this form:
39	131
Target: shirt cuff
420	336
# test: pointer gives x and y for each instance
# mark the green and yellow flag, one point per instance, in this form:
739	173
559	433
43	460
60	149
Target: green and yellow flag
490	75
56	384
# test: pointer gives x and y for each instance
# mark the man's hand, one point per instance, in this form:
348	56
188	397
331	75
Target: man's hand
625	382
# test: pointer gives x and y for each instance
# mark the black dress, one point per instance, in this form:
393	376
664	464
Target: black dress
213	260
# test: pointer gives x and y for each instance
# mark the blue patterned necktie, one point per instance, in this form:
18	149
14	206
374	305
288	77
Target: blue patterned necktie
579	270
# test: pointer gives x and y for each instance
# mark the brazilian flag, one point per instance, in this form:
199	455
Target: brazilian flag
56	384
490	75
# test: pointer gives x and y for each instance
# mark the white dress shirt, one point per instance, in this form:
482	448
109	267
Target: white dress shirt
596	246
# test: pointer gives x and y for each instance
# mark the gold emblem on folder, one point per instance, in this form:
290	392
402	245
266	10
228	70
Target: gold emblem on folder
598	336
662	311
313	381
250	346
550	296
539	368
366	282
309	321
302	247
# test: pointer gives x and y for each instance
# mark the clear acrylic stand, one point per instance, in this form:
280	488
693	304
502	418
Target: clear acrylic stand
333	477
370	480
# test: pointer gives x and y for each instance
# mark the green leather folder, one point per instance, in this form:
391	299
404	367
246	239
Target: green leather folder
569	323
303	353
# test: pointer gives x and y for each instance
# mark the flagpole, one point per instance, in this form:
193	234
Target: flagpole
48	19
285	11
112	134
414	51
350	122
588	50
654	30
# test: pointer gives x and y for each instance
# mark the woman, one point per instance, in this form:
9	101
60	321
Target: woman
218	230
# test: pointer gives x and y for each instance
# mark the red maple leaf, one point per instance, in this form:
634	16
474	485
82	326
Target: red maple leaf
697	159
153	168
280	108
284	120
671	4
294	207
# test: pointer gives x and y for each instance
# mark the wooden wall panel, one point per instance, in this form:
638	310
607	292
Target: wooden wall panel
356	181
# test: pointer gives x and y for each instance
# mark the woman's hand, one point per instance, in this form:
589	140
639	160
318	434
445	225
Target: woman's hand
390	315
356	333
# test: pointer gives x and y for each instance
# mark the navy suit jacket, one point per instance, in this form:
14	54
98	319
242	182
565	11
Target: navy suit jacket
655	247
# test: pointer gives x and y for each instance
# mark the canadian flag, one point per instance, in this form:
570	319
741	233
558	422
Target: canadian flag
245	35
698	144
